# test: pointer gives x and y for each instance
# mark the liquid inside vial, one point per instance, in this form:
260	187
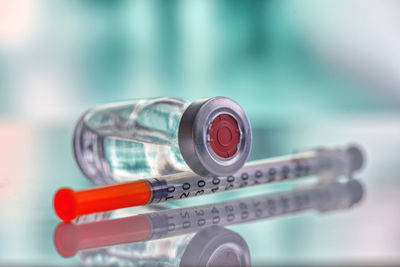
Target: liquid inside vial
127	141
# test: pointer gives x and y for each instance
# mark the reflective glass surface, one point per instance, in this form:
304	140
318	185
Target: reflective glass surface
299	222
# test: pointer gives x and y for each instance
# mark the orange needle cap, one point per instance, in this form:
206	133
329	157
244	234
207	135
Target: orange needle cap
69	204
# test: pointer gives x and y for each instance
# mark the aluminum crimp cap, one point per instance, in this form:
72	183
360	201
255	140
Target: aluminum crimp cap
215	136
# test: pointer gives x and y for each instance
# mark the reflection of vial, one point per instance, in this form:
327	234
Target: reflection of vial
212	246
125	141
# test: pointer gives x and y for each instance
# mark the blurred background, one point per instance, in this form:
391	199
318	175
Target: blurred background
308	73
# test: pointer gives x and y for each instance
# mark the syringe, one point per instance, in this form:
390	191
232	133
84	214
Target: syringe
326	163
70	238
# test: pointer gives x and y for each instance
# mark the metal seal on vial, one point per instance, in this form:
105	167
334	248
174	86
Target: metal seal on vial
215	136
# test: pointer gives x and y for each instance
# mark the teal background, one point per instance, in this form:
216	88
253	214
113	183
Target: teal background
307	73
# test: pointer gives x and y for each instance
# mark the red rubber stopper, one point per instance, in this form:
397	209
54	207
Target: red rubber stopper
224	135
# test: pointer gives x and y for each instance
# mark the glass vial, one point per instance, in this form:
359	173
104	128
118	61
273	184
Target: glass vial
127	141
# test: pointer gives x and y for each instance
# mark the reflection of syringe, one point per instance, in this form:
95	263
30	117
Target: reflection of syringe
69	238
326	163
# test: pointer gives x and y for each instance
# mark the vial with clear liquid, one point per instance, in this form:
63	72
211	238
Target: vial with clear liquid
130	140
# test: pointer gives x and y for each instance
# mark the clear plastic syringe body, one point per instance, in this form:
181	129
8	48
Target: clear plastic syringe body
328	164
127	141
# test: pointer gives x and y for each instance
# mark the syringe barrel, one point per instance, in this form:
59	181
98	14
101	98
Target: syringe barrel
69	204
329	164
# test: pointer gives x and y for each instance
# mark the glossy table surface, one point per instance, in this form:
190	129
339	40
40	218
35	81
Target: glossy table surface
36	160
